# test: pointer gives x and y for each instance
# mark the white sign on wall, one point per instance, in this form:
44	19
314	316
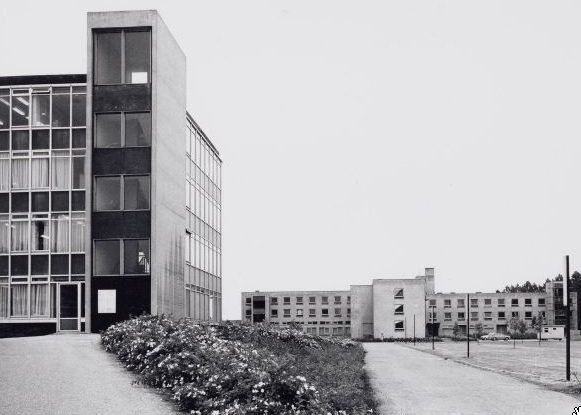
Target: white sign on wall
106	301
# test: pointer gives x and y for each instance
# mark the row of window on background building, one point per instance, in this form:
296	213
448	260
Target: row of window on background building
488	315
43	107
500	302
312	312
337	299
329	331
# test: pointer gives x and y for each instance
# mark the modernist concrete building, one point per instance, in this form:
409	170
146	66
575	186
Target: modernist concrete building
403	308
94	222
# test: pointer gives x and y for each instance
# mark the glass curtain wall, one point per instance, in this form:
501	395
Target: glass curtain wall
203	272
42	196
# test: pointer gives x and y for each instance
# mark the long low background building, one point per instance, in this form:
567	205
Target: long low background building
405	308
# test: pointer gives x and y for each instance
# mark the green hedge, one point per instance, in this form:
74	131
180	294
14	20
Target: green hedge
239	369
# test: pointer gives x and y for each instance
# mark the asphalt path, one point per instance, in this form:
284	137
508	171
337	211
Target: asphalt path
70	374
408	381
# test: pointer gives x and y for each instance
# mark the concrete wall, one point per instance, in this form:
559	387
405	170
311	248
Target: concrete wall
384	305
168	210
361	311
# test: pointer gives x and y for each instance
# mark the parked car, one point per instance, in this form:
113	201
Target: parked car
495	336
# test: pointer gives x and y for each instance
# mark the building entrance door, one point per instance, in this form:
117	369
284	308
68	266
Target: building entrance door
69	307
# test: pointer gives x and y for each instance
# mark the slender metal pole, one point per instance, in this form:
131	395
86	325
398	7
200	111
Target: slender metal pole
414	329
432	327
568	324
468	323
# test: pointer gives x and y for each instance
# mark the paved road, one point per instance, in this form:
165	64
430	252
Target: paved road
408	381
69	374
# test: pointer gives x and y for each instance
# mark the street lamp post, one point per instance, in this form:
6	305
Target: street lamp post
432	307
568	321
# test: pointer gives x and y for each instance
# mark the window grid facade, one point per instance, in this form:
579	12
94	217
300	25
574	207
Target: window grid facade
42	196
203	247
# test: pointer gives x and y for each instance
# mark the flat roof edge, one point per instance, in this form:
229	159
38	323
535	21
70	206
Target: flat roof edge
43	79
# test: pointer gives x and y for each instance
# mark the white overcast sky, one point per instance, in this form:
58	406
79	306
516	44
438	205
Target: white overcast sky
369	139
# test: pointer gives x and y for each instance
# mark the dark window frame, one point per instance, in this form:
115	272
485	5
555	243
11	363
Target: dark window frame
122	68
121	242
123	129
121	192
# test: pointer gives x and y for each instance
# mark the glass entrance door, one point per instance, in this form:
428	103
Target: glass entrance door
68	307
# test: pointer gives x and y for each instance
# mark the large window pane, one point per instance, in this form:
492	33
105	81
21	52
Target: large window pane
108	132
61	139
4	301
60	170
107	193
60	201
19	265
39	201
61	110
19	236
40	236
108	58
20	110
137	57
4	234
78	232
107	258
59	233
77	264
78	172
136	256
39	172
39	264
4	171
40	139
79	110
136	192
40	110
78	201
20	202
39	300
59	264
4	111
19	297
4	140
79	138
20	140
19	173
137	129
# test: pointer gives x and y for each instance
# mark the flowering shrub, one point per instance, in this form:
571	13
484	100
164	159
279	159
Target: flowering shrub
236	369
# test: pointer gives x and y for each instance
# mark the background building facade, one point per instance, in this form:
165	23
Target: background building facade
326	313
94	227
406	308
